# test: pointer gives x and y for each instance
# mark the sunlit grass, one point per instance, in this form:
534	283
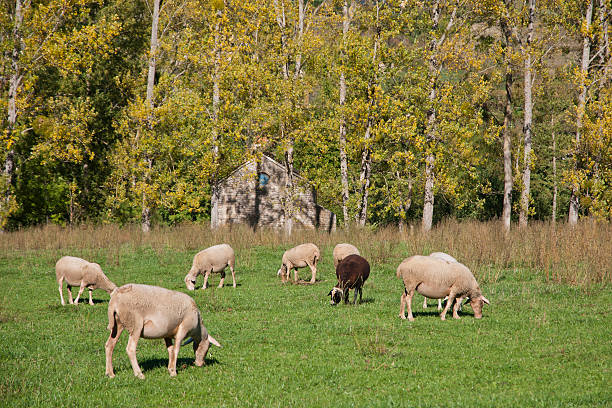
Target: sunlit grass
544	341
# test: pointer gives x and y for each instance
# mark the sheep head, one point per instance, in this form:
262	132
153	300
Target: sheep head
190	280
336	295
477	303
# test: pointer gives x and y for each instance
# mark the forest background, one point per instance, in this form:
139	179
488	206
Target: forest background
130	111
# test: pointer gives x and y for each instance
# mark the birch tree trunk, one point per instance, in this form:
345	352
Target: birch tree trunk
507	135
8	169
146	209
289	207
584	71
366	155
430	132
554	166
343	159
604	46
216	98
528	119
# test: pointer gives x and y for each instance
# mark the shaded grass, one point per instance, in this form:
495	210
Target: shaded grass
540	343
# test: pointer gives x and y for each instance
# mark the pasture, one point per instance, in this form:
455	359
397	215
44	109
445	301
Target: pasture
544	341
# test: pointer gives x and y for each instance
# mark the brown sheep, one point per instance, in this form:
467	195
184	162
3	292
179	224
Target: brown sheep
352	272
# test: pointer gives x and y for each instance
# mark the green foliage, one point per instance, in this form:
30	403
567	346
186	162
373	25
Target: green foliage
84	132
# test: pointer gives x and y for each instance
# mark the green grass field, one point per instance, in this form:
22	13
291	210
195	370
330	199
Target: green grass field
538	344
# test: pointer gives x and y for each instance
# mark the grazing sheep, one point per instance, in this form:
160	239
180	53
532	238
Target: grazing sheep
153	313
436	279
79	272
299	257
352	273
444	257
341	251
213	259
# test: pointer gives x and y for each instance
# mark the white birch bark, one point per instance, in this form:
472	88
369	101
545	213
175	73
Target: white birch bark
146	209
343	158
527	121
584	71
507	135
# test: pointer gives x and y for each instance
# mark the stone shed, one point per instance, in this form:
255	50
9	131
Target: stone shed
253	194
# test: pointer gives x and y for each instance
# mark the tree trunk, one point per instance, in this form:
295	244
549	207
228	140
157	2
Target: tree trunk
528	118
146	210
604	46
300	34
554	166
289	207
216	99
507	135
364	176
343	158
434	67
8	169
404	206
366	155
584	71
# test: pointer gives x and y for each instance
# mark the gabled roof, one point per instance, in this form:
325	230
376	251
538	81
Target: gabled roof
263	156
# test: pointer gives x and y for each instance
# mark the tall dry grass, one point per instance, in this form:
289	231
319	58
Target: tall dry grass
578	256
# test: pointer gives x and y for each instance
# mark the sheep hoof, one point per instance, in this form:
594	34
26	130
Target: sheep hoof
411	319
220	286
110	375
443	317
141	376
402	316
172	373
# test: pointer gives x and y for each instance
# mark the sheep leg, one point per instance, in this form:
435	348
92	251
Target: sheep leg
295	275
131	351
180	335
206	275
61	282
222	279
360	293
69	289
449	302
439	304
90	300
313	269
407	301
170	349
110	346
424	302
81	289
233	275
456	307
355	296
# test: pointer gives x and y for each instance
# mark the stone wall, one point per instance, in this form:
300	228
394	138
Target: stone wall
246	198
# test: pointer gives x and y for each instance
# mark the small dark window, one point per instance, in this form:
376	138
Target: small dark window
263	179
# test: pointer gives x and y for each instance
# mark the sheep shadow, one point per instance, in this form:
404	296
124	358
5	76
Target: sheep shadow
181	363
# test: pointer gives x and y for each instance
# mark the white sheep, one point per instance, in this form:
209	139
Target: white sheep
341	251
78	272
299	257
444	257
213	259
153	313
436	279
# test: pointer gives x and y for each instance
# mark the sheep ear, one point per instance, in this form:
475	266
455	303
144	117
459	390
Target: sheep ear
484	299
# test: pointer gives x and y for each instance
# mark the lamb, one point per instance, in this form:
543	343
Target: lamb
444	257
299	257
213	259
352	273
153	313
341	251
79	272
435	279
